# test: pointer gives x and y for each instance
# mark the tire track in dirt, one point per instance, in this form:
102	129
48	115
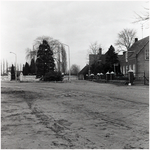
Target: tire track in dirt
61	131
108	120
71	138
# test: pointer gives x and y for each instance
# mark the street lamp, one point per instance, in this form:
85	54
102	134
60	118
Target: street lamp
15	65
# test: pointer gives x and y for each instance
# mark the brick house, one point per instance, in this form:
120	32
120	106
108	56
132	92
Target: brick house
137	59
97	58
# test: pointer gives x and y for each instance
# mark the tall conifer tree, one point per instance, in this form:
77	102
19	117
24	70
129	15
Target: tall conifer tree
32	66
26	69
44	61
12	72
111	58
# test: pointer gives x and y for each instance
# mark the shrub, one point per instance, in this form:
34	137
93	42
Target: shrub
12	73
53	76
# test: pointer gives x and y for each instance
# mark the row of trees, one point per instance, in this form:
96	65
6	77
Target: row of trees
29	68
4	67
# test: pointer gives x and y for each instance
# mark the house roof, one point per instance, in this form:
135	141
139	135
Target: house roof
84	70
137	47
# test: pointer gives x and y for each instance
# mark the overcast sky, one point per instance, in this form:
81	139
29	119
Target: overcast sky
76	23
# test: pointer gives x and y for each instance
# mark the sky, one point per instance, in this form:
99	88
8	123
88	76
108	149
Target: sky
75	23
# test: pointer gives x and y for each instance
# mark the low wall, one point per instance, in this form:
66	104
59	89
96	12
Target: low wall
72	77
24	78
33	78
29	78
4	78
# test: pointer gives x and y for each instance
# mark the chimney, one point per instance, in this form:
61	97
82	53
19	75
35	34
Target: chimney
100	51
136	39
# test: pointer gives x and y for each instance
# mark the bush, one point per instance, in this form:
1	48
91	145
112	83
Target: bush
53	76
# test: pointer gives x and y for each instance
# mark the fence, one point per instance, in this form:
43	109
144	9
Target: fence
142	79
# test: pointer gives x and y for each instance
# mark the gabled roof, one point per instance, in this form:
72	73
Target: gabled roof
137	47
84	70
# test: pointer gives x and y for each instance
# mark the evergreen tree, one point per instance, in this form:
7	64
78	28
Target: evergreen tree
32	66
26	69
12	72
23	69
45	61
111	59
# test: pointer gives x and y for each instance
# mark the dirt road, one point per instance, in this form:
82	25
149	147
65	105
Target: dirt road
74	115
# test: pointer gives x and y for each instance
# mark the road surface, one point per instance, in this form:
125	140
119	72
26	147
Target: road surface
74	115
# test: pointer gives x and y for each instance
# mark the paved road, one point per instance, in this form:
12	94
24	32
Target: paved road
79	114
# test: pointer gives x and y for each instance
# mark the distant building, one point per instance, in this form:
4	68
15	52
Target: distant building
137	58
93	58
82	74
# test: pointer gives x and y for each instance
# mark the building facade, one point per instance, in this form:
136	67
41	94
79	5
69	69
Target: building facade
136	59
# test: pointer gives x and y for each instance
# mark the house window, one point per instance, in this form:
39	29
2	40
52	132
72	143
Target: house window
147	54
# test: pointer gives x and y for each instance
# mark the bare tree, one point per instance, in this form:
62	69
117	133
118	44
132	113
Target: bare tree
30	54
75	69
94	48
125	39
143	17
93	52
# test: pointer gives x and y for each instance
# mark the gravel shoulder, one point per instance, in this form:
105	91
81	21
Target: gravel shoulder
74	115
